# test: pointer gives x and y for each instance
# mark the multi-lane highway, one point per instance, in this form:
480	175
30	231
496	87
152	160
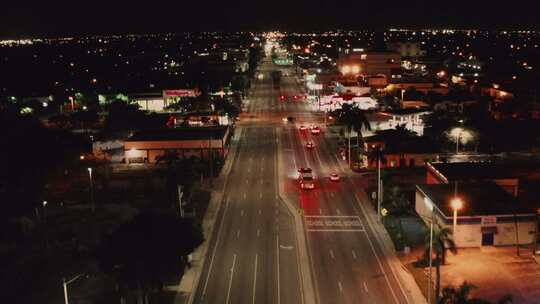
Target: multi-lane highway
253	255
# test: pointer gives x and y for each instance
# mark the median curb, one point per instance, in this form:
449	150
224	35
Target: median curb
308	288
405	280
185	292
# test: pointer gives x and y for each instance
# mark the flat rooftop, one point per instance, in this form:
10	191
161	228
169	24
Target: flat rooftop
180	134
485	170
479	199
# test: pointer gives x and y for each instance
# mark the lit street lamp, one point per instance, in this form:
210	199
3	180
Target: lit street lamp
65	285
456	132
91	190
456	204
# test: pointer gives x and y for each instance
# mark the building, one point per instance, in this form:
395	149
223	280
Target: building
147	146
153	102
504	175
356	62
407	49
411	119
488	214
399	151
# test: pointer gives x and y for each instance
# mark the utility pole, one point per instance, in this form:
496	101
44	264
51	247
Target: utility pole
180	195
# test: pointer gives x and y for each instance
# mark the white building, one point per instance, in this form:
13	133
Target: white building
488	215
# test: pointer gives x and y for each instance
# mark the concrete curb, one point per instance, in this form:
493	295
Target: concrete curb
191	279
405	280
306	274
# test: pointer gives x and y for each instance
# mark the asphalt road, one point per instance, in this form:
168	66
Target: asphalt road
252	256
347	263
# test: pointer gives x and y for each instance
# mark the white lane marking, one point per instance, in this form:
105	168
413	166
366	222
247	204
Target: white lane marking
242	212
365	287
260	212
320	211
277	265
258	233
263	158
215	249
340	286
247	181
237	234
230	280
245	195
255	278
332	254
260	195
249	170
338	212
354	255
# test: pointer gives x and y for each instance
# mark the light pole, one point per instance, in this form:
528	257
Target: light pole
91	189
65	285
456	132
430	206
456	204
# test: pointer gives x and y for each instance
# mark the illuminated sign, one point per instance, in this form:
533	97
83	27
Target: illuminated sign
179	93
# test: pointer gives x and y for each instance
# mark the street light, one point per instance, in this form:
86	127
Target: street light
456	132
65	285
456	204
91	189
429	204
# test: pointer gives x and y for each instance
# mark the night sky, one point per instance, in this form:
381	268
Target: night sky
57	18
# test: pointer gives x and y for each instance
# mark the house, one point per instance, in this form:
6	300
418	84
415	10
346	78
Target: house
411	119
147	146
488	214
399	151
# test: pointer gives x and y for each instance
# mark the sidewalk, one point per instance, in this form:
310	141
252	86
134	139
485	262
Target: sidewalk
185	290
403	277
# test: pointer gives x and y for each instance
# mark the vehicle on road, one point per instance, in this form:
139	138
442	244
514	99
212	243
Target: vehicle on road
310	145
282	97
303	128
316	131
334	177
307	182
304	170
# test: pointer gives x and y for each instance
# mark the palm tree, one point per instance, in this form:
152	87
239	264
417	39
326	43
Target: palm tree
462	295
442	241
354	119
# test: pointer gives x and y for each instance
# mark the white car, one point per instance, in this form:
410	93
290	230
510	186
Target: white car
310	145
334	177
316	131
303	128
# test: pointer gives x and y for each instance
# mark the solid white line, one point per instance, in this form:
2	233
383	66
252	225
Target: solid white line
255	278
354	255
382	269
230	280
365	287
332	254
340	286
277	265
215	248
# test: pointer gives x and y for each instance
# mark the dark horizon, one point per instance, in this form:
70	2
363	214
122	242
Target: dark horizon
65	19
